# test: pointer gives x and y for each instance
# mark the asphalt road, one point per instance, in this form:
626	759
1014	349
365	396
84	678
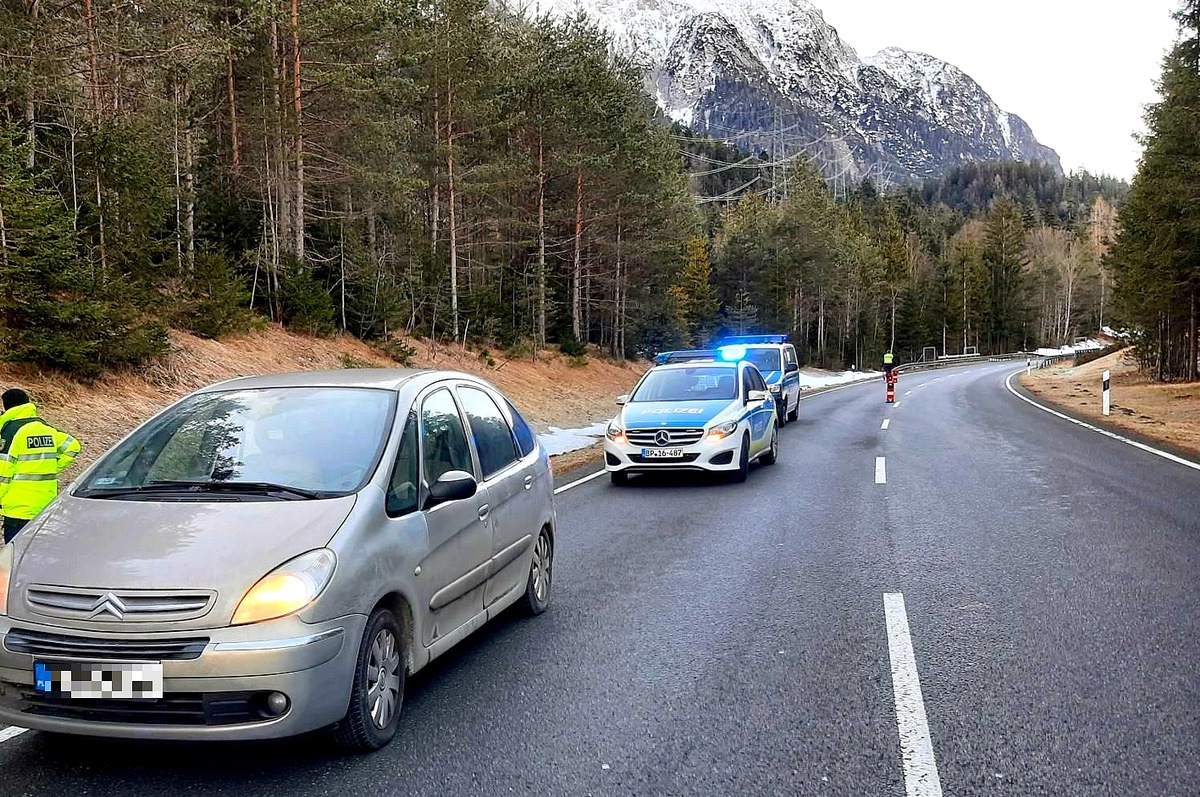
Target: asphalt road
714	639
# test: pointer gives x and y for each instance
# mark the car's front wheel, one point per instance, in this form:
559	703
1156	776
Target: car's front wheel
743	472
794	415
771	455
619	477
378	690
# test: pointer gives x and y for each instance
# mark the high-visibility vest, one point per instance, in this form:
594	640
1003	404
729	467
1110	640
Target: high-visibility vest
887	358
32	454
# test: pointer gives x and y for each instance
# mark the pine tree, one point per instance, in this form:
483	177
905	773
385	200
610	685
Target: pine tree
693	294
1004	255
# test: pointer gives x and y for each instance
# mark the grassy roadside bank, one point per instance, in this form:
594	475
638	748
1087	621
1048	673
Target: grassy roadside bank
1167	413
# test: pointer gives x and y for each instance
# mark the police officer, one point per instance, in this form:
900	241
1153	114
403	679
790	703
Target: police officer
887	363
32	454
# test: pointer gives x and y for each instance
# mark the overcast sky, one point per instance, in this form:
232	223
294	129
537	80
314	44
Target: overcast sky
1078	71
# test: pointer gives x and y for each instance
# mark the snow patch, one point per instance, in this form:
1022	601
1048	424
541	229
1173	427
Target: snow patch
562	441
812	378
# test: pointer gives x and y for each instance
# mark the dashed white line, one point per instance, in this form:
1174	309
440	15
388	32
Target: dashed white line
923	384
880	471
1098	430
909	393
886	422
896	404
916	748
10	732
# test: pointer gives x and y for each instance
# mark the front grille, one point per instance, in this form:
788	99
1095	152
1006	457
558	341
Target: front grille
56	646
638	458
119	605
675	437
180	708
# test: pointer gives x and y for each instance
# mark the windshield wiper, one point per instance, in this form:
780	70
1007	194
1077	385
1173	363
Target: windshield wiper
180	486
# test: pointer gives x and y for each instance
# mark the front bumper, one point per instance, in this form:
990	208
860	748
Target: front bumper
719	456
215	695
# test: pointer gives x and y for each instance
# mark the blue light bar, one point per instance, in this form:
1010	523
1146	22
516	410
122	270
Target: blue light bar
691	355
732	353
751	339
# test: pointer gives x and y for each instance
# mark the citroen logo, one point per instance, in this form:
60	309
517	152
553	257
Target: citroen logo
662	437
108	604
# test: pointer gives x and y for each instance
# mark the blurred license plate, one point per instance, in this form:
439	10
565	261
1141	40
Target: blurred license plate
123	680
662	453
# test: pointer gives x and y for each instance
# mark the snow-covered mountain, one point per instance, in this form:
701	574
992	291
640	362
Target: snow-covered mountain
773	75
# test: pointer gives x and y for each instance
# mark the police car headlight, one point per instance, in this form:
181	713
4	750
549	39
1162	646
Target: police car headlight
615	433
720	432
6	565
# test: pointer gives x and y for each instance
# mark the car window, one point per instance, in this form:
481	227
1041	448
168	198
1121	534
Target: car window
273	435
766	360
789	356
443	438
406	473
526	441
493	438
703	383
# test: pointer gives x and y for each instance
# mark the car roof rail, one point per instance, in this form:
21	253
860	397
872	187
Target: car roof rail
684	356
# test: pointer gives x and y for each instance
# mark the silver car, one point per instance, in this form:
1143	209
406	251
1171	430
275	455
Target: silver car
275	555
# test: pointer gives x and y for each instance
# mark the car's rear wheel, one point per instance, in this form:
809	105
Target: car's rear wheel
619	477
541	575
378	690
743	472
771	455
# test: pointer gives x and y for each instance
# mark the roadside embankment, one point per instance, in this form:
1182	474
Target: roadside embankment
1168	413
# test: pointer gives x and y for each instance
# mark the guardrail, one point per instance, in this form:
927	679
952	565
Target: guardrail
957	360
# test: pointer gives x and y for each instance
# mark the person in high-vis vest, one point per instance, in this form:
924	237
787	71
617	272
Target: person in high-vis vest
888	359
32	454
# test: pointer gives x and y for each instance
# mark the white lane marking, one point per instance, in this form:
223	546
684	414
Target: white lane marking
1157	452
10	732
909	393
916	748
880	471
578	482
886	422
896	404
923	384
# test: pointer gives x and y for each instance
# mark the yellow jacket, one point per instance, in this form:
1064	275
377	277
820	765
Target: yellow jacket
32	454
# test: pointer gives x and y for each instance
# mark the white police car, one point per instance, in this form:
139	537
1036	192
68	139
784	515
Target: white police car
695	412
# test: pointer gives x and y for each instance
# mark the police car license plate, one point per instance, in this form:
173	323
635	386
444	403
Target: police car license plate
120	680
662	453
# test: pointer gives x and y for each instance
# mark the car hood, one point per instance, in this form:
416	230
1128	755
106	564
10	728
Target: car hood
219	548
675	414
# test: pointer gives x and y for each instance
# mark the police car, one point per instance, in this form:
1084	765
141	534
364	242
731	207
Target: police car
696	411
775	359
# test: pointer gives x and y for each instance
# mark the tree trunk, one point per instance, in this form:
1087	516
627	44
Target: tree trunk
577	262
298	132
235	145
3	239
33	7
540	333
1193	341
452	217
93	57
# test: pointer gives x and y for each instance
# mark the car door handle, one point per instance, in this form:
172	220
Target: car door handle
483	511
528	482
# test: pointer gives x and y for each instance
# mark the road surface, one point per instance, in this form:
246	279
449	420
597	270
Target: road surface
1039	636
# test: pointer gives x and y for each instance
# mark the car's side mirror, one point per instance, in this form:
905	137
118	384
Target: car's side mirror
622	400
792	368
454	485
757	395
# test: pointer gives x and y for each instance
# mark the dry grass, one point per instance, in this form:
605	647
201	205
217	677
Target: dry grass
549	391
1166	412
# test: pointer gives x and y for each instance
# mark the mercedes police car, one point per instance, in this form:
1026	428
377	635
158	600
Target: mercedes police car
696	411
775	359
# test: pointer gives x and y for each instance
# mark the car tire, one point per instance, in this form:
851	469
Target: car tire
771	455
374	712
619	477
541	575
743	472
794	415
781	417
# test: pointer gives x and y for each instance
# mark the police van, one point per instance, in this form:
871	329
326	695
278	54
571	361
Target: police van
775	358
694	411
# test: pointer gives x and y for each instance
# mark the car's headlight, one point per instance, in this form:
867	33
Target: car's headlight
288	588
721	431
615	433
6	566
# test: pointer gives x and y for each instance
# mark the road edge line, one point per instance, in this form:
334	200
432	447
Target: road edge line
578	482
11	732
916	746
1136	444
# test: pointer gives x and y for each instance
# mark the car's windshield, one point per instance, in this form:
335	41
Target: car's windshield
765	360
319	439
688	384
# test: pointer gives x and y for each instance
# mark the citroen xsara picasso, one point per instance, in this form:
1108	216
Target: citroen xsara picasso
273	555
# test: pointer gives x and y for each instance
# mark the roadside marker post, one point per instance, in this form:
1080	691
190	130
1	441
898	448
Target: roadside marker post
1107	386
891	387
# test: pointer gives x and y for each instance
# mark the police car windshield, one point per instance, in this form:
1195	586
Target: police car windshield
320	440
710	383
765	360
